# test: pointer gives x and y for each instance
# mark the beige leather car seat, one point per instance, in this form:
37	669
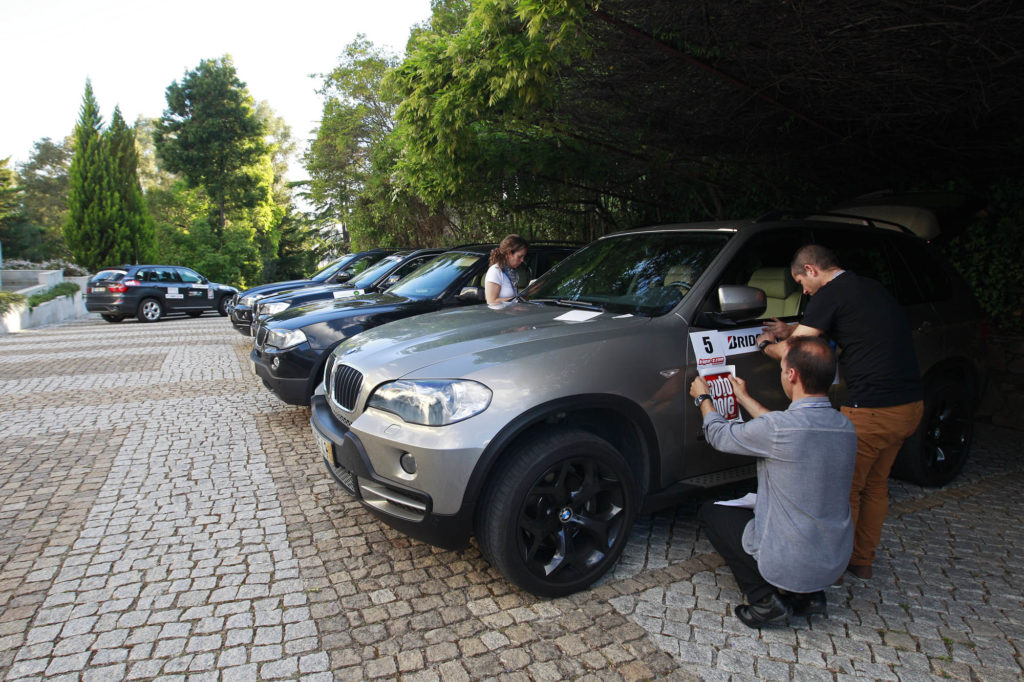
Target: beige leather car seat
781	289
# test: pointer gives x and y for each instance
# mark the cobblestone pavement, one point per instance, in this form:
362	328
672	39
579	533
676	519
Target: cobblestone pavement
163	516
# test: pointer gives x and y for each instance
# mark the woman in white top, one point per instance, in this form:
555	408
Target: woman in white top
501	283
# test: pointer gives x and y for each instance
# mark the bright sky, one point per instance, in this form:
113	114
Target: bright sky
132	50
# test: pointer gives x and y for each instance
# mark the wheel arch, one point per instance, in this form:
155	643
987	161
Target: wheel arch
620	421
960	369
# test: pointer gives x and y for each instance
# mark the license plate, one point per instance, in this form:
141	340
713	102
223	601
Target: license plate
96	290
324	446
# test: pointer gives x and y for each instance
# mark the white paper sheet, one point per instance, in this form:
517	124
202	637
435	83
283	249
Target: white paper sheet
578	315
746	501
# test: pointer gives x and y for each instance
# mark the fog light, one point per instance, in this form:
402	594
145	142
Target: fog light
408	463
275	363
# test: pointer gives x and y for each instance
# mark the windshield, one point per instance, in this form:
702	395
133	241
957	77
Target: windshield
371	273
433	277
639	274
333	267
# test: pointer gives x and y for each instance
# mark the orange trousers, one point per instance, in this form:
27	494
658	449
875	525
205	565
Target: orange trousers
880	434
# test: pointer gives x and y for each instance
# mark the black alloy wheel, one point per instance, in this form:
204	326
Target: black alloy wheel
557	514
934	455
222	305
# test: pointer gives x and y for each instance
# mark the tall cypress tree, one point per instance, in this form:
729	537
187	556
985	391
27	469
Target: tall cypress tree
130	215
91	200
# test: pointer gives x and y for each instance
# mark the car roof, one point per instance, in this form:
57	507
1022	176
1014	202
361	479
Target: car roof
821	220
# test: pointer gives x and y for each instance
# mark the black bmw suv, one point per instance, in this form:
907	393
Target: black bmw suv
290	348
151	291
341	270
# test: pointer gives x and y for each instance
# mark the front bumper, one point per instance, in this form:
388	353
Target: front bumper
241	319
401	507
292	382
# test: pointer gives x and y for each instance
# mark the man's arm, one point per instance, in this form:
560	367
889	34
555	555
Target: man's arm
742	438
774	350
739	389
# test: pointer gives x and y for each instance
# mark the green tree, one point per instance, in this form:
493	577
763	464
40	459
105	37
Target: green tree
18	237
129	211
91	233
44	178
210	134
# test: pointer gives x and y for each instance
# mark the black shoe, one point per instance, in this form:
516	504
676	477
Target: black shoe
769	611
810	604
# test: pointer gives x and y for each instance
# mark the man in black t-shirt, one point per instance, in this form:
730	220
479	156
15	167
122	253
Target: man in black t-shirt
884	390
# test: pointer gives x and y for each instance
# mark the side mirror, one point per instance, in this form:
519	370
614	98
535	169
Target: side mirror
391	280
740	303
471	295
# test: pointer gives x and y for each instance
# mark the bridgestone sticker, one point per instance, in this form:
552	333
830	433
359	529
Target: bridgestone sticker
712	347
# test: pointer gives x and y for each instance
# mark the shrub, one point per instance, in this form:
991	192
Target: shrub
8	300
62	289
70	269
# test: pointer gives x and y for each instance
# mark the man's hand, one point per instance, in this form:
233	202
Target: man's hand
778	330
739	387
698	387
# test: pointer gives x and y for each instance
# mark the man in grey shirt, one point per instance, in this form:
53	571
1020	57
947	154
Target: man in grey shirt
798	538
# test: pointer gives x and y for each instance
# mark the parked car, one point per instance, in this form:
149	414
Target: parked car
376	278
545	426
151	291
340	270
290	348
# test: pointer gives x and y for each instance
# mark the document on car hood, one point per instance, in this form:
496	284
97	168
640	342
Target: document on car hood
578	315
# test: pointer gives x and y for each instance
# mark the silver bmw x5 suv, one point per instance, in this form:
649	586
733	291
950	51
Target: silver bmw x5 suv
544	426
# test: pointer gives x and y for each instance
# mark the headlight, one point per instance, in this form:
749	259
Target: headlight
283	339
249	300
432	402
272	308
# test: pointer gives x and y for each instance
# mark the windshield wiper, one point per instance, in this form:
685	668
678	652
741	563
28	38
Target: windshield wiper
567	303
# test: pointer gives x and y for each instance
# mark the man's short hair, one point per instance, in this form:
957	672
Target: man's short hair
817	255
813	360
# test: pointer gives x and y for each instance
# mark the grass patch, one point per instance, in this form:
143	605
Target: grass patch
8	300
62	289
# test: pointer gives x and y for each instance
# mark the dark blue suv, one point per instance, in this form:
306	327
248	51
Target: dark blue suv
151	291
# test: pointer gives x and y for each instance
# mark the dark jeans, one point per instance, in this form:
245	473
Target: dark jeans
724	527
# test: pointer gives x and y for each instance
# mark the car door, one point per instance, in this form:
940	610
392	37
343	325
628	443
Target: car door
197	293
168	283
715	344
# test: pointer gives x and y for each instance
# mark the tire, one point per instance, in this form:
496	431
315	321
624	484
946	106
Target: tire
113	319
556	515
222	305
150	310
195	313
937	452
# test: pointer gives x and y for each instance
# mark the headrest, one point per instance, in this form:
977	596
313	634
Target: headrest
775	282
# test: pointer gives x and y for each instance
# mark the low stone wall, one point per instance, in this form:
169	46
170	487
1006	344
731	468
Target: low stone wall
59	309
1003	403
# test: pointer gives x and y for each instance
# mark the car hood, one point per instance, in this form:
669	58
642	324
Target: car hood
275	287
504	335
317	312
312	290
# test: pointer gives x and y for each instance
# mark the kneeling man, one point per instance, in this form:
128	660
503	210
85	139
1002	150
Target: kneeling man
798	538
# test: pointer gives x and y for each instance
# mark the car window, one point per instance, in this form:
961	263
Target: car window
189	276
644	273
108	276
167	275
370	274
433	278
925	280
763	262
333	267
861	252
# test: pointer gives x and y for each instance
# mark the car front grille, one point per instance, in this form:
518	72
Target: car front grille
261	336
346	384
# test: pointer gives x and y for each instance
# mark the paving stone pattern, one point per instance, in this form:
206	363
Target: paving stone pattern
164	516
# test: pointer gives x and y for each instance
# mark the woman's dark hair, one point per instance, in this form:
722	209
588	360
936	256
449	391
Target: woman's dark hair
509	245
813	360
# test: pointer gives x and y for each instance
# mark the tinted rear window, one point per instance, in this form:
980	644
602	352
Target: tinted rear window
108	276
